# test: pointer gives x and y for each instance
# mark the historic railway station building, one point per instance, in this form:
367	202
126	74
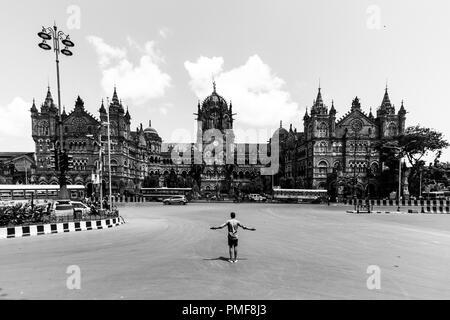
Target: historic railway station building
324	155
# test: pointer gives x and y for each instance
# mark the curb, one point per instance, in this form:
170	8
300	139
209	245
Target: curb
50	228
398	212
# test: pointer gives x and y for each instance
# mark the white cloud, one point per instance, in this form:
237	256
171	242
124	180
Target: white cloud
138	82
15	126
164	32
105	52
258	96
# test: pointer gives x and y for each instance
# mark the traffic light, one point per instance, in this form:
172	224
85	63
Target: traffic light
65	162
54	159
69	162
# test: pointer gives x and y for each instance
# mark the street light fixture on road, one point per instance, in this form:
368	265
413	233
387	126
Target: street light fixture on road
52	33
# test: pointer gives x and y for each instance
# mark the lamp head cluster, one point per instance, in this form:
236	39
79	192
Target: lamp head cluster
52	33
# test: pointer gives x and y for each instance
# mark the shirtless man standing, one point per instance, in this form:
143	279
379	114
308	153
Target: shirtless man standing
233	225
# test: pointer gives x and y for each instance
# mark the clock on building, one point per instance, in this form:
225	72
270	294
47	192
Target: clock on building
356	125
79	125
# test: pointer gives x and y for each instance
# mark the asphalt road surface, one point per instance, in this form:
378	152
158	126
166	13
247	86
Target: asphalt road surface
297	252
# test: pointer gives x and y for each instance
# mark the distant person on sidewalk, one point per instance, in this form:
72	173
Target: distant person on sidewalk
233	225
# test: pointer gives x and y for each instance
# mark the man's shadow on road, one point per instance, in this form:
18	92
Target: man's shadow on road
222	259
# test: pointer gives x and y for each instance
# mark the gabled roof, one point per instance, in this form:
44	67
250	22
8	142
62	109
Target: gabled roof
351	113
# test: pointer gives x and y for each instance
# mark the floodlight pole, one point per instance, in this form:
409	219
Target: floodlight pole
56	36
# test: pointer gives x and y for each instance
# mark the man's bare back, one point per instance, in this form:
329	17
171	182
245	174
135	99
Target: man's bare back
233	225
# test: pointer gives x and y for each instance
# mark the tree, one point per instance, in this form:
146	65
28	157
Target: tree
151	181
416	143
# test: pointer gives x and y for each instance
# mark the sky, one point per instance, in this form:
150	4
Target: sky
267	57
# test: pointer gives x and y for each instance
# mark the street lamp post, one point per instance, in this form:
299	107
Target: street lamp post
368	173
354	173
400	151
100	157
52	33
109	156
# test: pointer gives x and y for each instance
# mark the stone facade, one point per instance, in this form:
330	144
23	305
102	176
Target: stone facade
136	154
330	151
325	155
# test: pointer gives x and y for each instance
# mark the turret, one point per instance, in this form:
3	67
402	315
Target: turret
318	106
102	111
386	107
401	119
79	104
332	120
127	116
33	109
355	104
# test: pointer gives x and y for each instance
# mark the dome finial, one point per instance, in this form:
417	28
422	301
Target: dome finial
214	85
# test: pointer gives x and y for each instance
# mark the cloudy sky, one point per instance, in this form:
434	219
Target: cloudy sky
266	57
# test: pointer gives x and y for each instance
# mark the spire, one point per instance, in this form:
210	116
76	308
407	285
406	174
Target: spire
48	99
64	114
402	110
370	113
281	124
149	123
290	127
102	108
127	114
306	116
319	100
318	105
214	85
33	107
332	110
386	101
115	99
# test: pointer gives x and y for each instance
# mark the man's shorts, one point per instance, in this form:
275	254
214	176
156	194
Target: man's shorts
232	242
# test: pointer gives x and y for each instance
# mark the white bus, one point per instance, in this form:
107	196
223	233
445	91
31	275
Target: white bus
299	195
159	194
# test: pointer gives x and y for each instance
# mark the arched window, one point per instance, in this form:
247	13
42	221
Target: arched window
323	167
322	130
337	165
374	168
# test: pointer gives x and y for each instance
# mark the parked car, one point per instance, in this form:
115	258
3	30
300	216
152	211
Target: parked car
175	200
62	208
80	207
257	197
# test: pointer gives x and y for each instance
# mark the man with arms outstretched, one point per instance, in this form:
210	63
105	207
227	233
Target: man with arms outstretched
233	225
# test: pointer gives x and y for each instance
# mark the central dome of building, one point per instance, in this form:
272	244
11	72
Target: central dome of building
214	101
